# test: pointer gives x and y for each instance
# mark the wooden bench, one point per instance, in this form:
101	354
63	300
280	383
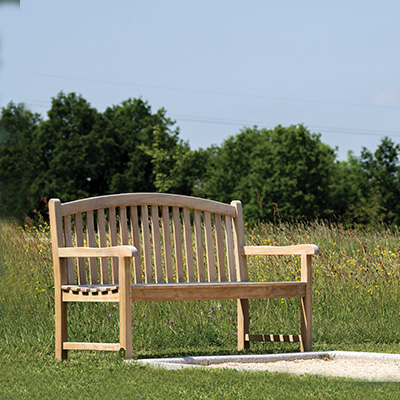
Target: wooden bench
181	248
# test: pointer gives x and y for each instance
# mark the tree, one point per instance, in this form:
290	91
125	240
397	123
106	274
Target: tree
383	174
65	150
288	167
17	159
78	152
128	136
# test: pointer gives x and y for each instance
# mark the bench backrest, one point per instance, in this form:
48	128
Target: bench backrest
178	238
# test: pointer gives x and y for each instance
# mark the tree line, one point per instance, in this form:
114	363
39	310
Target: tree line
285	172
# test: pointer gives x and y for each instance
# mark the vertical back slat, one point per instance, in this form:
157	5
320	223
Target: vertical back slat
229	249
101	223
148	273
166	232
176	225
198	237
91	241
136	242
219	244
79	243
123	226
155	230
240	241
209	247
68	243
187	232
112	229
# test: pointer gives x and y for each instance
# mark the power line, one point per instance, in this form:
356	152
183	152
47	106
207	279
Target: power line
350	131
218	93
249	123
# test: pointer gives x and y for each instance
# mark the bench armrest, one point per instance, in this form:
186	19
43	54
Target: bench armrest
114	251
308	249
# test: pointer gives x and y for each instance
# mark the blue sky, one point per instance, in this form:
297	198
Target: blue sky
215	66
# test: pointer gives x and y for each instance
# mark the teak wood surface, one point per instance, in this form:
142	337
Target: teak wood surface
180	248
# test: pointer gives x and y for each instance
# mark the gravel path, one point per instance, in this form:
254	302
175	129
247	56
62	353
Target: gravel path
373	370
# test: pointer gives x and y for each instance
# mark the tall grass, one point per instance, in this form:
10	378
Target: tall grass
356	297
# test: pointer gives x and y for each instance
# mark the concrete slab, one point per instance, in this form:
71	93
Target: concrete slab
202	361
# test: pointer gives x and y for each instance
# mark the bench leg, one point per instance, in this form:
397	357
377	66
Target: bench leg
243	323
306	324
61	328
306	305
125	309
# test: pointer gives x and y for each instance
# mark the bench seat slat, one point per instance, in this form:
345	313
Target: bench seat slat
93	297
216	291
90	288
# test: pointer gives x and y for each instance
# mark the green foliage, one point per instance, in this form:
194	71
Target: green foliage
290	167
78	152
284	172
17	159
383	171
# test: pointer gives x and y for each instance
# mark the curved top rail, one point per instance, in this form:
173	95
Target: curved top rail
137	199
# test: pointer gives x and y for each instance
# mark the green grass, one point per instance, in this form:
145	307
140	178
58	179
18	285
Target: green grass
356	307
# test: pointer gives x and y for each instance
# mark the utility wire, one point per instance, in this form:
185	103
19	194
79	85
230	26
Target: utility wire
229	94
243	123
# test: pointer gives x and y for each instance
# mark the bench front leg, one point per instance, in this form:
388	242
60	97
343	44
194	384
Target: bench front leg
60	309
125	306
61	328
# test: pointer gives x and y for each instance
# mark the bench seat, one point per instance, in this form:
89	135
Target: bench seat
195	290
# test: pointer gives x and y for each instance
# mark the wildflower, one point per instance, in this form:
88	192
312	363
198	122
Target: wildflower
178	310
110	315
171	322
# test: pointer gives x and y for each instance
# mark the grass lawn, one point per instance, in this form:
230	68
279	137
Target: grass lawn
356	307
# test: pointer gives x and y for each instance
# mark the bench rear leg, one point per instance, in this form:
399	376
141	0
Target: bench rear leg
243	323
306	305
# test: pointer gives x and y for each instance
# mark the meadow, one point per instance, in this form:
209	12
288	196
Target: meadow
356	304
